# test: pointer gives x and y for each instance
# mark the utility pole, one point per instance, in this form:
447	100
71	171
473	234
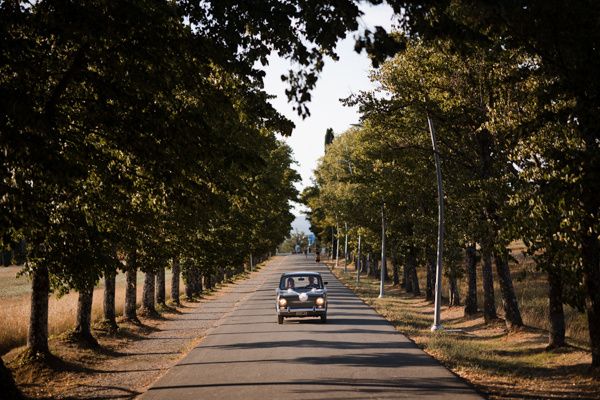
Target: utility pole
383	260
437	324
251	263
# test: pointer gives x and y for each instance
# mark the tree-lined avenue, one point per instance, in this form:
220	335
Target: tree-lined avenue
356	354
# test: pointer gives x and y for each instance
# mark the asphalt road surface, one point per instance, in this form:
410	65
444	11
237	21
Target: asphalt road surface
355	355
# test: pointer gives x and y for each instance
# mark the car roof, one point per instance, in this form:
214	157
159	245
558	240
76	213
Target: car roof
303	273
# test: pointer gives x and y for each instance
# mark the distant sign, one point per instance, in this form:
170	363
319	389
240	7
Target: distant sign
311	239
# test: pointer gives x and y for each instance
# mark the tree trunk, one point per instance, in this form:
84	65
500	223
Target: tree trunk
37	337
386	274
489	299
208	281
130	311
160	287
415	281
110	318
189	282
589	234
395	269
200	285
591	279
175	283
509	299
405	281
430	284
375	267
148	308
219	275
471	300
83	325
411	263
556	312
334	248
408	282
454	293
197	283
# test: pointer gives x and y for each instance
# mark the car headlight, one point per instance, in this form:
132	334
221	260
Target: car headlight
282	302
320	301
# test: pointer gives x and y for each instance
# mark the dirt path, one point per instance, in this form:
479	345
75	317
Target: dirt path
126	367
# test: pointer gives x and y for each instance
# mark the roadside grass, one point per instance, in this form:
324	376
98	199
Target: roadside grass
14	313
10	285
15	297
531	288
71	365
498	363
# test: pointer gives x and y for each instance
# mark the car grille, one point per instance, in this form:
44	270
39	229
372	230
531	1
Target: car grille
301	304
294	302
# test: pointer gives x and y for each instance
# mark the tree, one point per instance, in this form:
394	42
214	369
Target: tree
329	136
105	138
571	63
457	91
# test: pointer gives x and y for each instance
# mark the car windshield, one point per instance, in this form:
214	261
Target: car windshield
301	282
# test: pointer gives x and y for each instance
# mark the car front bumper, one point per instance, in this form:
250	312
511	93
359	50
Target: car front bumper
302	312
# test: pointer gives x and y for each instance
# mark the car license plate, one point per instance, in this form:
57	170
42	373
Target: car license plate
301	314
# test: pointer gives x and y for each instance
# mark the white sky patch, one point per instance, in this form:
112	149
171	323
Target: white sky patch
338	80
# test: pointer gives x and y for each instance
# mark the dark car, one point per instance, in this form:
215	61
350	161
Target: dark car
301	294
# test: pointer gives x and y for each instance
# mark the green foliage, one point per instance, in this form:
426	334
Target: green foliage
125	128
513	93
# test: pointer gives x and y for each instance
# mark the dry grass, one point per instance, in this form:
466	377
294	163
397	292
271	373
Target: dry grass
10	285
14	313
72	366
500	364
531	289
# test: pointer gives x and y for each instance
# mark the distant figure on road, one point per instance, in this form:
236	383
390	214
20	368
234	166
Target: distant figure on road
318	255
289	284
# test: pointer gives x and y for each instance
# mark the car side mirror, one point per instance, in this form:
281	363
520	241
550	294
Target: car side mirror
325	283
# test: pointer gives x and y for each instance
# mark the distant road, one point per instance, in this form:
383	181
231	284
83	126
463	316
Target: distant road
355	355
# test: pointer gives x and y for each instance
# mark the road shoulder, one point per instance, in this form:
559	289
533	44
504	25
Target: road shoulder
125	365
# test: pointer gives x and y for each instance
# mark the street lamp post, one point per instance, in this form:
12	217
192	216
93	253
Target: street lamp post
358	263
383	260
346	248
337	244
437	324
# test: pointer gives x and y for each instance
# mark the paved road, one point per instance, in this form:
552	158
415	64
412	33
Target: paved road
356	355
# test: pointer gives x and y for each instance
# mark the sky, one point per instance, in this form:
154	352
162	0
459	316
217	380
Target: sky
338	80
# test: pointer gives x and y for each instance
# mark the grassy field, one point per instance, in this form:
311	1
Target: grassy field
14	314
500	364
12	286
531	288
